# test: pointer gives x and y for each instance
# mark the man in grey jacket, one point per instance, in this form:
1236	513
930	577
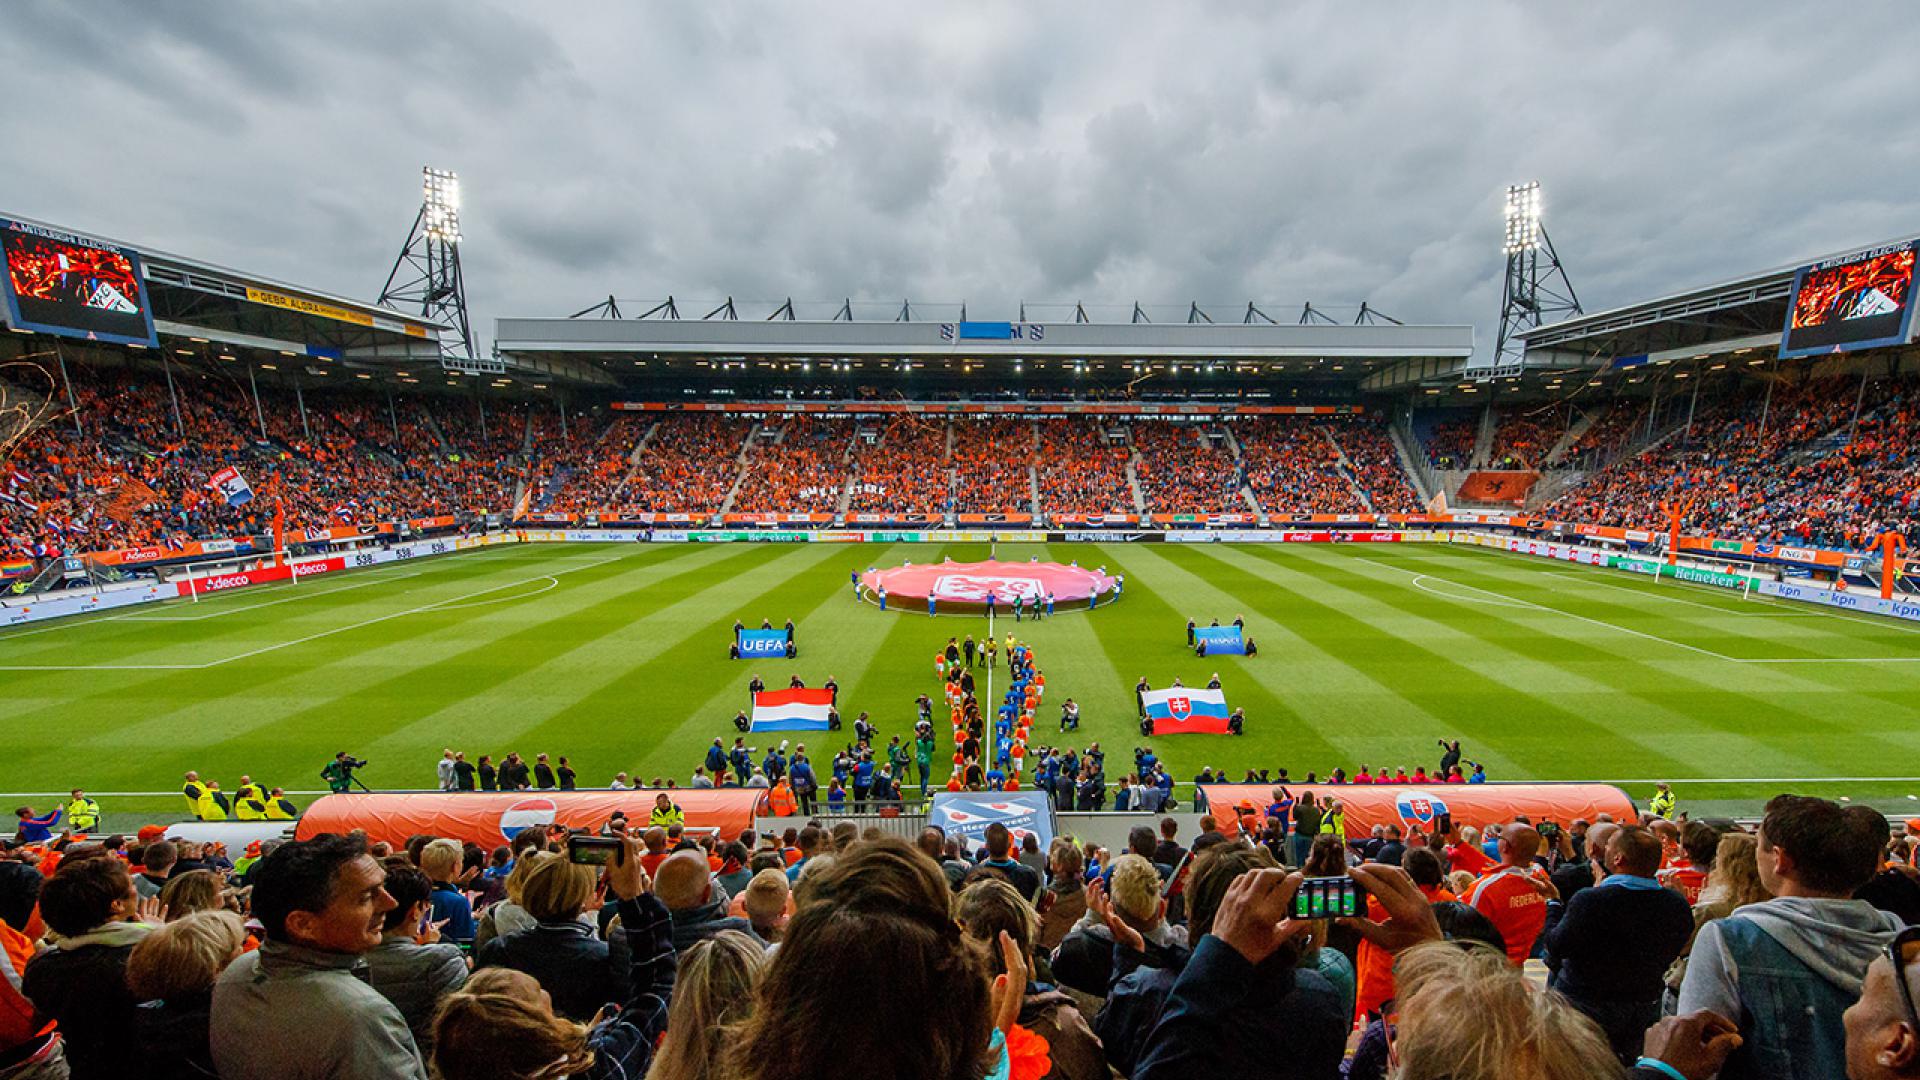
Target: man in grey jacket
1787	969
298	1008
410	967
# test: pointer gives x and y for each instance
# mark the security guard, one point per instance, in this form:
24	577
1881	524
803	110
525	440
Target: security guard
1662	803
280	808
250	790
196	796
83	814
249	807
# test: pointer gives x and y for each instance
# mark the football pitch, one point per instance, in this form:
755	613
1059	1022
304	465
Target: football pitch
616	656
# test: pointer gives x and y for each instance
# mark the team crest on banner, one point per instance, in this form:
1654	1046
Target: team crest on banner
1419	808
1180	707
976	588
968	815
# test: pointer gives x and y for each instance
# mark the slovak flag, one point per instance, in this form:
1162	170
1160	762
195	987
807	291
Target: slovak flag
791	710
231	486
1181	711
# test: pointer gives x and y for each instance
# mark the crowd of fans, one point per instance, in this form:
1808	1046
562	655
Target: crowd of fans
1082	469
1670	948
1523	437
1793	469
1182	469
802	469
992	462
1450	444
1793	466
905	471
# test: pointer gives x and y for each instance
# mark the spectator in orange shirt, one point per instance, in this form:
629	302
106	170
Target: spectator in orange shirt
1373	965
1514	896
1699	841
1464	853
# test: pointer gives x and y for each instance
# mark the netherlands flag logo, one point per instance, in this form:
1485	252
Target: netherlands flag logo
526	814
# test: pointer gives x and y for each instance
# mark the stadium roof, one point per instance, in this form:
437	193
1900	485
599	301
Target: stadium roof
1740	315
640	351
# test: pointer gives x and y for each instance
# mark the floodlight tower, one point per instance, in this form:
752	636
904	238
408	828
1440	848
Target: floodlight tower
1536	284
426	277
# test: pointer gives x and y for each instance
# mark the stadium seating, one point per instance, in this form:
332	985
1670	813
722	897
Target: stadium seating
992	461
1183	470
1081	470
905	471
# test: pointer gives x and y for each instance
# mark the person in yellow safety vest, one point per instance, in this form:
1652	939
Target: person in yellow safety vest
1662	803
213	805
251	790
195	793
665	813
83	814
280	808
248	808
1333	820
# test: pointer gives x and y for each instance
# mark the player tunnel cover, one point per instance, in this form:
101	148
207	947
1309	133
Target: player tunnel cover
970	584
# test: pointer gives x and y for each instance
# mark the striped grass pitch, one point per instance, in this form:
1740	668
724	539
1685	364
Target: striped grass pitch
616	656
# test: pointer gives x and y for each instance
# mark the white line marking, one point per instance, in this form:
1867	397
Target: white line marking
1658	595
1654	637
307	594
1418	578
552	584
302	640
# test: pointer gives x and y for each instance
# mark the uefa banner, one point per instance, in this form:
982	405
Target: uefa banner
755	644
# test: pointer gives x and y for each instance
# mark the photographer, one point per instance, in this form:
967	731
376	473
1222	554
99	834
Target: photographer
339	773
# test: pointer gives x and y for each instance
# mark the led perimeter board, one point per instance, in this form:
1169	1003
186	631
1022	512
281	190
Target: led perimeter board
1856	301
62	283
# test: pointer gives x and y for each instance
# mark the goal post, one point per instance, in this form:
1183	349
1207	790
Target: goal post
205	576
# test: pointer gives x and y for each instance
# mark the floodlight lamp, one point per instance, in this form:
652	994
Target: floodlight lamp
1523	217
441	207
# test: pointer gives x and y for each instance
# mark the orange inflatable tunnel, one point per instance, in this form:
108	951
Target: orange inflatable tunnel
491	819
1478	805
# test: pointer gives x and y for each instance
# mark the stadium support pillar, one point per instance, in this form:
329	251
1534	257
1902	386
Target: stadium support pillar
563	419
1766	403
259	414
173	395
60	357
1859	397
1692	404
300	398
482	402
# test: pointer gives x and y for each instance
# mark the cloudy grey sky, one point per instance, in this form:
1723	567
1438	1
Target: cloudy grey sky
987	152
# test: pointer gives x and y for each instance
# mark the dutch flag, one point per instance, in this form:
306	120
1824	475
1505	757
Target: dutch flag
791	710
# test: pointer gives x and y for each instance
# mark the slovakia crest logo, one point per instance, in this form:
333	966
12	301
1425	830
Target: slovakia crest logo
1419	807
1180	707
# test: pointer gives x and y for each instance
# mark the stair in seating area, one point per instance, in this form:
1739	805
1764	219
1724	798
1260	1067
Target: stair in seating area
1573	433
1483	442
1133	483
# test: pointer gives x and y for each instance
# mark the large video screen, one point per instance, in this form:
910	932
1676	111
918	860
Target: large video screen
60	283
1857	301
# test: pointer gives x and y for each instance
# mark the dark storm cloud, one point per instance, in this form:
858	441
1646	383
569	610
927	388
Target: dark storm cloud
981	152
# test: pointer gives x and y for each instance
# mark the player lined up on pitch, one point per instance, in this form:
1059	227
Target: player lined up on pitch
976	767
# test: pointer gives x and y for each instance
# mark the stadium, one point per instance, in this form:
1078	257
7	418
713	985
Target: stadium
1195	645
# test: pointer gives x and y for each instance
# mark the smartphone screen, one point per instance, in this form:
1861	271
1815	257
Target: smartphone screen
591	850
1328	898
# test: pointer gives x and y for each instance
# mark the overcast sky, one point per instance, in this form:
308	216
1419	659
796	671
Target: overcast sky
982	152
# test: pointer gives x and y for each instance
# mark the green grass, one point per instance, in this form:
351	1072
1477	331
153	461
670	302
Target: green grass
615	656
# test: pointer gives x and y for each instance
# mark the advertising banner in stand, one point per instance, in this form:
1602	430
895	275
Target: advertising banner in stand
968	814
1478	805
494	818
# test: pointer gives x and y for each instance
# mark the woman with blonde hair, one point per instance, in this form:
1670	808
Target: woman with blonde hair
195	890
173	970
1733	883
1470	1015
502	1025
583	972
712	995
